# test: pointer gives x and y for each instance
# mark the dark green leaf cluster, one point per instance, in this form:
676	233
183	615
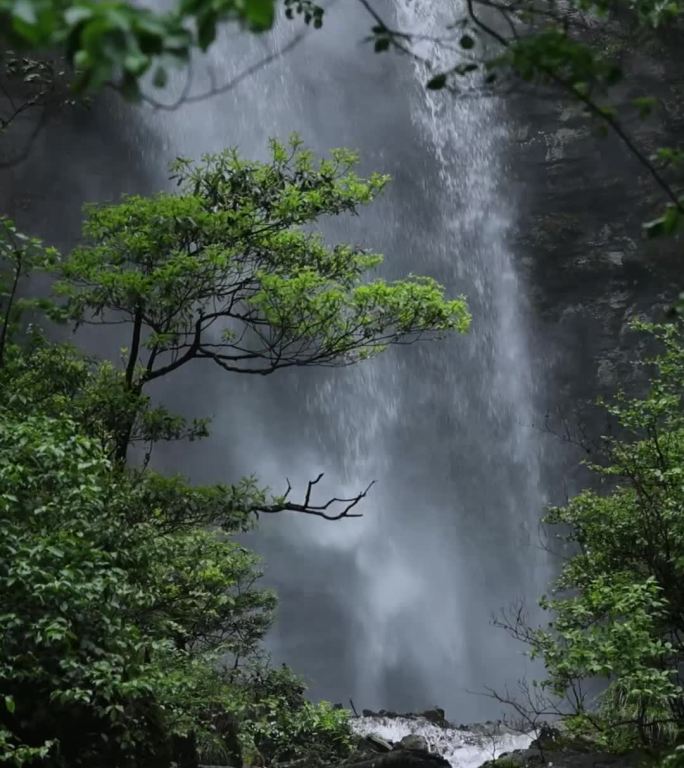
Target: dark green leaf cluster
282	726
114	613
130	619
311	12
577	48
119	42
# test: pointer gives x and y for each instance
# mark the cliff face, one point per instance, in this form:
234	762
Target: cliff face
582	200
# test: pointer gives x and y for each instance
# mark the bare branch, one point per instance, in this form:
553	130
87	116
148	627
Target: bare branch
333	509
30	85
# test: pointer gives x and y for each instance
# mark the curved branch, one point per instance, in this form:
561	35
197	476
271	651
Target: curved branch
186	98
24	153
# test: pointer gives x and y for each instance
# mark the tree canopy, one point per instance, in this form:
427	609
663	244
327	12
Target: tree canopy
575	50
126	605
229	271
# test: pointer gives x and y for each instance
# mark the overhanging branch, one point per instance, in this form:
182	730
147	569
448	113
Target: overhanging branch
333	509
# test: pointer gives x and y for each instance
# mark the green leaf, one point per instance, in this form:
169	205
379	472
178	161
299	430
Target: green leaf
77	14
206	30
260	14
667	224
160	77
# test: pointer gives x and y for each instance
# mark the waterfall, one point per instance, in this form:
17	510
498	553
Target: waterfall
393	609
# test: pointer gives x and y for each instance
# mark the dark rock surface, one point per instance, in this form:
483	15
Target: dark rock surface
414	741
374	743
411	751
581	201
553	748
402	758
567	757
399	758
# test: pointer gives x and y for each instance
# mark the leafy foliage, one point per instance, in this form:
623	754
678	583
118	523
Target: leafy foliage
119	42
29	84
676	759
106	612
20	255
130	619
576	49
283	726
619	603
226	271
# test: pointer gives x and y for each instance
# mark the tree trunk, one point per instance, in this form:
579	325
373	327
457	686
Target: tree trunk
185	751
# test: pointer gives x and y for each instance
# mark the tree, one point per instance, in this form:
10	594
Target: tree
33	88
614	649
575	48
283	726
130	620
229	271
487	46
20	255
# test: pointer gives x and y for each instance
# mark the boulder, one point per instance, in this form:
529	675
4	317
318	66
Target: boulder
435	715
566	757
413	741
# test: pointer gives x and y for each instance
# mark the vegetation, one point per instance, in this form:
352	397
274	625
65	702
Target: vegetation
130	619
113	618
227	272
117	43
613	651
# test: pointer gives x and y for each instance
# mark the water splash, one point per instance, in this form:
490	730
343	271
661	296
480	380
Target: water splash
461	747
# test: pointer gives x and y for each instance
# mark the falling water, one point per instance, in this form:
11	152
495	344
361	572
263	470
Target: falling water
392	609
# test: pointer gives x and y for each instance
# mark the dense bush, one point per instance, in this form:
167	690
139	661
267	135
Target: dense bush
614	651
281	725
111	626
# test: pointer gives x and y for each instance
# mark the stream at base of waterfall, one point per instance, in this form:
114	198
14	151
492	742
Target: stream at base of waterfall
462	746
